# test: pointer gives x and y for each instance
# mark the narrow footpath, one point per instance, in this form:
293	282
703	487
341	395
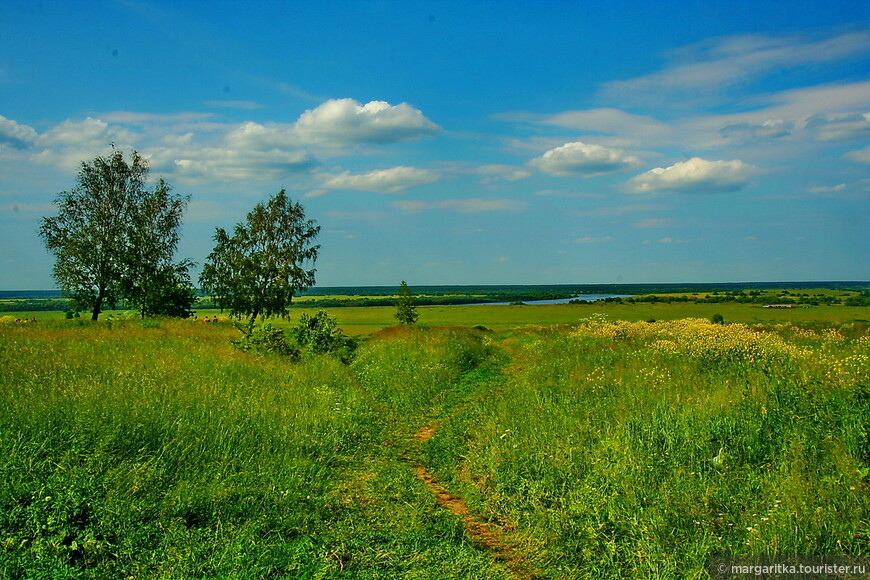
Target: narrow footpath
486	535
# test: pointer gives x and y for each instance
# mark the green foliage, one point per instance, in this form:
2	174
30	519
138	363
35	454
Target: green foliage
716	319
265	339
320	334
171	294
114	238
154	284
260	268
406	311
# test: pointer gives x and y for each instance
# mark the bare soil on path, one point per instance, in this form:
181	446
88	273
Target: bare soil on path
486	535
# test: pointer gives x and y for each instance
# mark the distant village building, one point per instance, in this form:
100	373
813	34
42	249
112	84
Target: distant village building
779	305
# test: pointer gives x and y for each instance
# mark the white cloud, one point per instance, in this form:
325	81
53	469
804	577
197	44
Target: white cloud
653	223
338	122
823	113
828	188
861	155
69	143
347	121
252	135
209	164
709	67
393	180
767	129
15	135
694	176
591	240
611	122
87	133
468	205
580	159
840	126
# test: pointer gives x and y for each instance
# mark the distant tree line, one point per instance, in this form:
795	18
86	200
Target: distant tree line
34	305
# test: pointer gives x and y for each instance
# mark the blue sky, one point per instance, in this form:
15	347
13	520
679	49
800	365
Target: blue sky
463	142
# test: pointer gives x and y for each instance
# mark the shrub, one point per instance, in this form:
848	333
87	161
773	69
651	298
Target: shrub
265	339
320	334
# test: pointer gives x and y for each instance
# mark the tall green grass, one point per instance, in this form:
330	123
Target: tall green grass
155	449
131	450
640	450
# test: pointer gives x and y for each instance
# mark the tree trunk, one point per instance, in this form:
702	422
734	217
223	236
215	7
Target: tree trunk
98	305
253	319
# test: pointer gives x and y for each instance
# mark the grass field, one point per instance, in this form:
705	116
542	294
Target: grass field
365	320
153	449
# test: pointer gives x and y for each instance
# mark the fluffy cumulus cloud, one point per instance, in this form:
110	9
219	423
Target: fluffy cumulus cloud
580	159
468	205
347	121
695	176
14	135
69	143
338	123
393	180
86	133
252	135
195	149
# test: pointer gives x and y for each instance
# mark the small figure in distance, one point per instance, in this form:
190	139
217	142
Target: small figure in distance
206	320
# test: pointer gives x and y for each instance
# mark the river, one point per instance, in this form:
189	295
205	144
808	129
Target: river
584	297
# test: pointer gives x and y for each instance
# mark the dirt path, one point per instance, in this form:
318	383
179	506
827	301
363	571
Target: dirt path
486	535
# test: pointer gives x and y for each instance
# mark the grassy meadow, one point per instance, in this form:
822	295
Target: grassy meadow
366	320
593	444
